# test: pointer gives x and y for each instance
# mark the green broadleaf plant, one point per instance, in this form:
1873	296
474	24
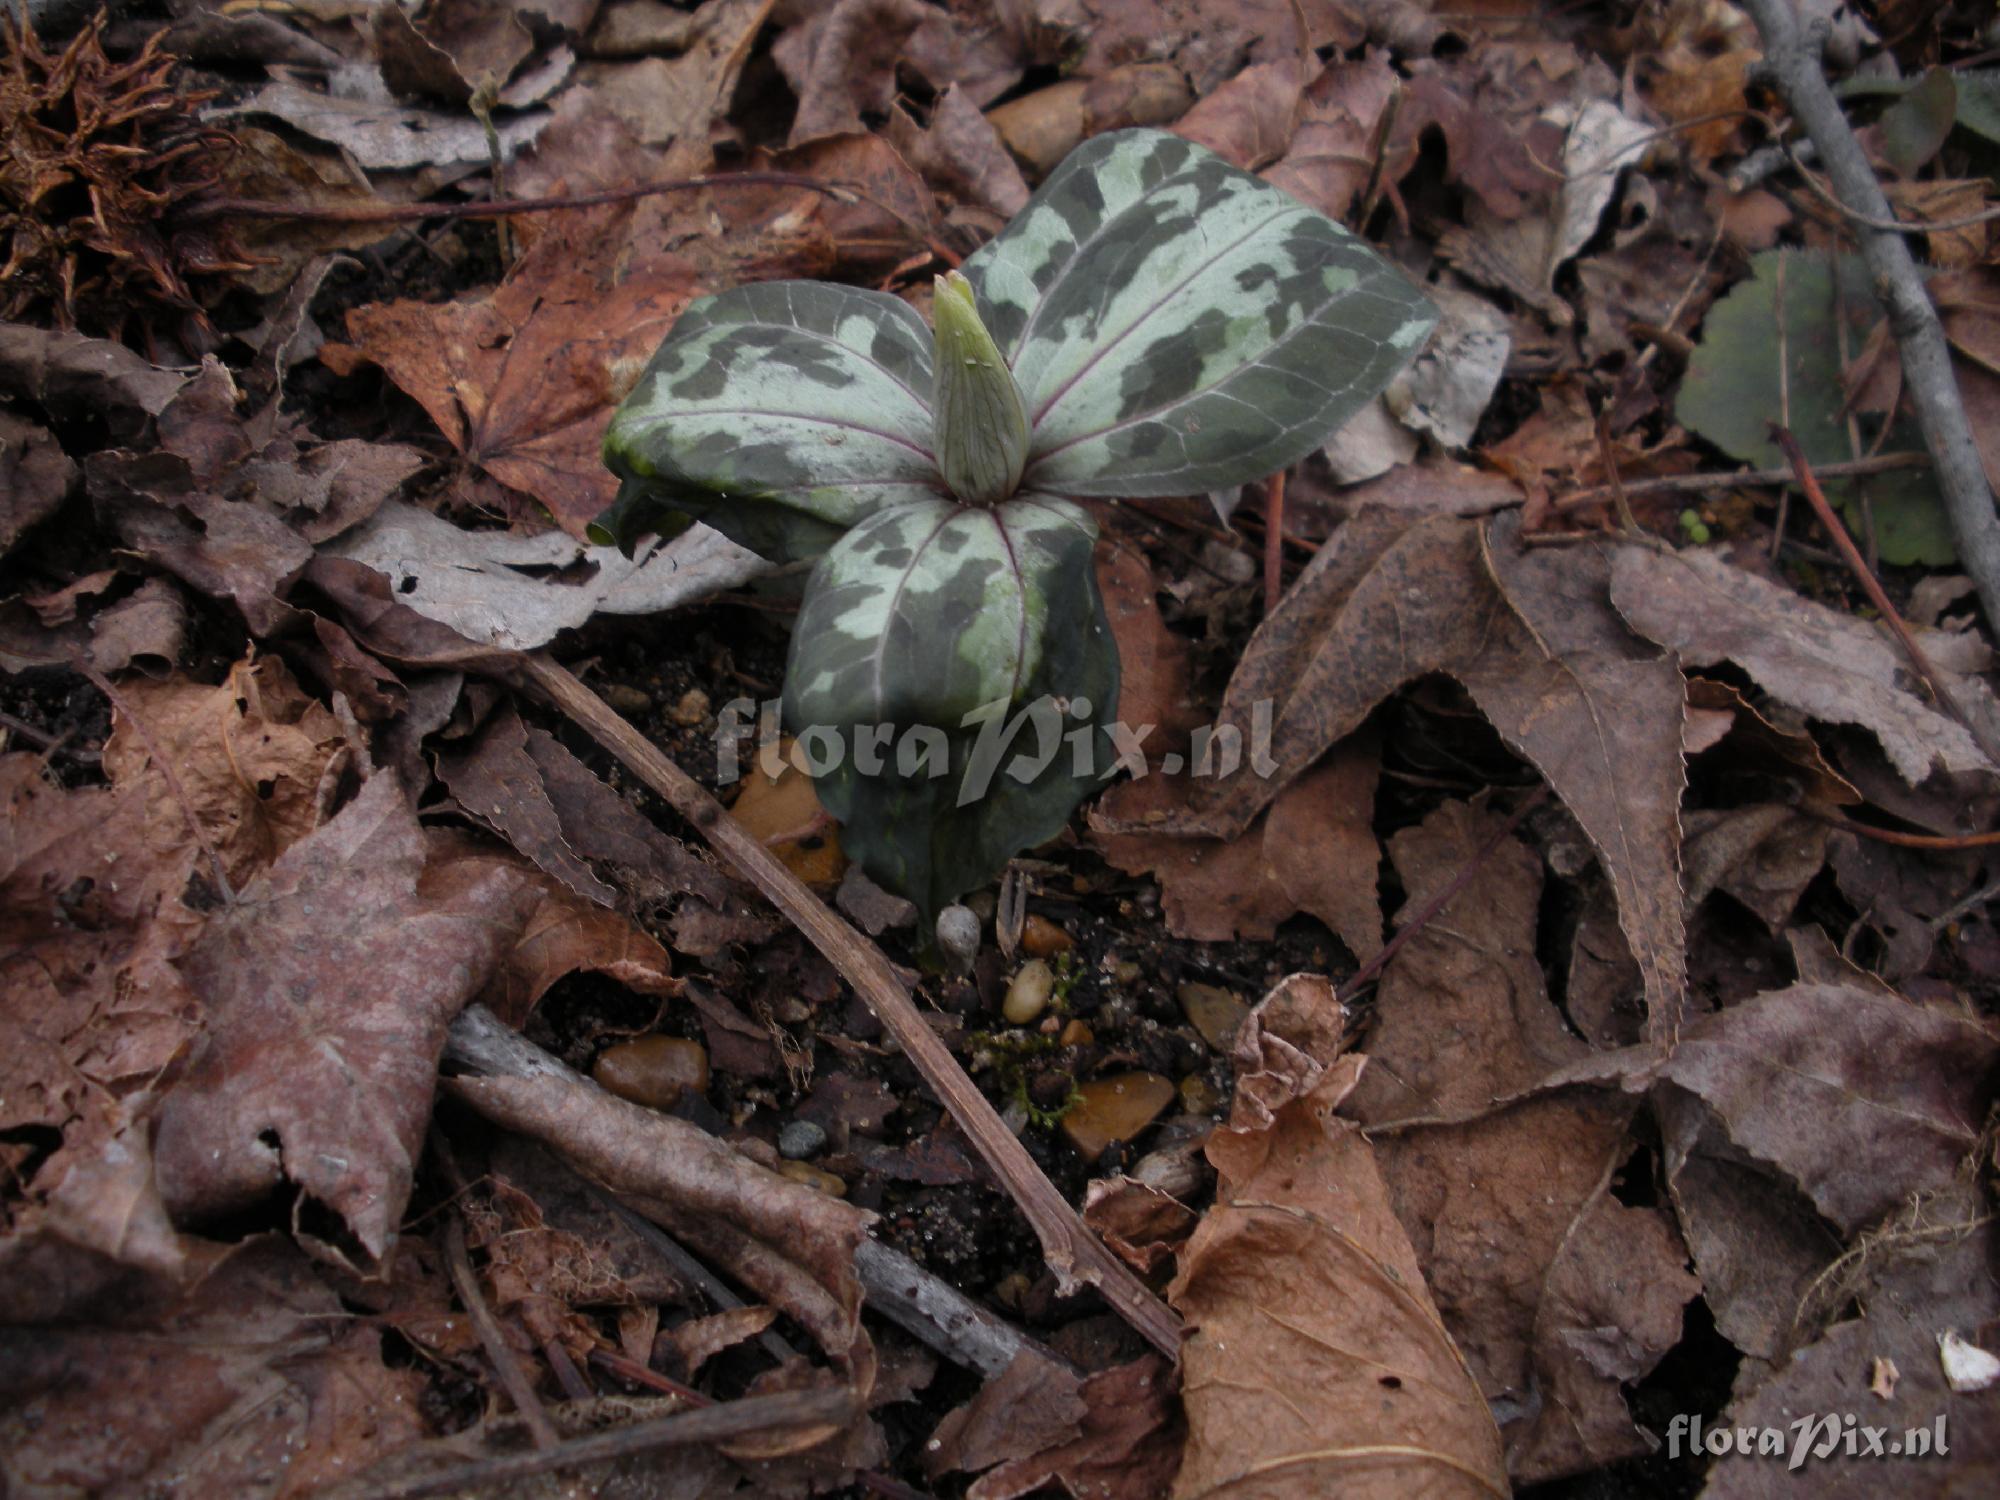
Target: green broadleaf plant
1154	322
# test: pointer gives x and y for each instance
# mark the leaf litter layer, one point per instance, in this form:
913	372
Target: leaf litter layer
1521	1126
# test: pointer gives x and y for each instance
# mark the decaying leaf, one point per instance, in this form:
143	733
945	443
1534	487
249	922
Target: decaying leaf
1830	666
1534	639
523	381
1857	1096
1317	1362
328	983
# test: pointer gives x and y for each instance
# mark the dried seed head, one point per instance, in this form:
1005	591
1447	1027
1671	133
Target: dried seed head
981	431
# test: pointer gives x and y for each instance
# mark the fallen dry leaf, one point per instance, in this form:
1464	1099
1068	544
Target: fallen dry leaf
253	762
520	592
1033	1405
676	101
841	62
35	477
328	982
1250	120
1828	665
1316	1361
523	380
1330	159
258	1384
1314	851
1857	1096
961	155
1533	638
382	135
1927	1274
1527	1257
1127	1445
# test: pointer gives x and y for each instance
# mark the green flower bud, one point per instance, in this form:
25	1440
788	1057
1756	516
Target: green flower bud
981	427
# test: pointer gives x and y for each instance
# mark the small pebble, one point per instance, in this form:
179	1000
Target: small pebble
1198	1096
692	709
813	1177
1215	1013
801	1140
626	698
1115	1109
653	1070
1127	972
1028	993
1044	939
1076	1034
958	937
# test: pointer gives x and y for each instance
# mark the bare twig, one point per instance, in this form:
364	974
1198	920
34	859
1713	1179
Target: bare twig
410	213
506	1364
1939	841
1794	63
895	1286
1684	484
683	1429
1072	1252
1851	555
653	1380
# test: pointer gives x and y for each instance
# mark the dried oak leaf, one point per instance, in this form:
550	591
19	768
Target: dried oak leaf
1316	1362
1535	641
1518	1241
1859	1097
328	983
1927	1273
257	1384
842	63
1828	665
523	379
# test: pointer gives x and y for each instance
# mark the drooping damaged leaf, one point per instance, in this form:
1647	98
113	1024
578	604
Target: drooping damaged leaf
942	656
1177	326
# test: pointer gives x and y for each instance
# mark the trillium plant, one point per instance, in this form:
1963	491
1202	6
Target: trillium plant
1154	322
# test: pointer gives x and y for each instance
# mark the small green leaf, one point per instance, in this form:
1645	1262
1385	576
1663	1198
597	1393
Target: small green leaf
926	633
1732	392
781	413
1176	325
1915	126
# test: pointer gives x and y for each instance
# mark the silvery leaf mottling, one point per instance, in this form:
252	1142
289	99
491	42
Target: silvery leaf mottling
1153	322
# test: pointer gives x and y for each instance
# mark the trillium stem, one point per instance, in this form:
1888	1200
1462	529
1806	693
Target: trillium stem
981	423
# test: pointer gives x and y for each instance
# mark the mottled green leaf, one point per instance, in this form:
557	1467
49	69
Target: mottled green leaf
1177	325
925	633
1732	392
781	413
